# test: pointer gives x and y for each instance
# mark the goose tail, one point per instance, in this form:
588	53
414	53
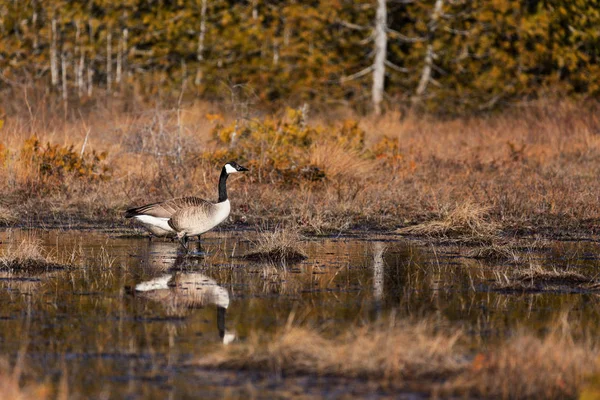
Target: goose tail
132	212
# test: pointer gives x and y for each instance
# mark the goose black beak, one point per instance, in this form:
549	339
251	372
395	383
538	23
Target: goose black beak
242	169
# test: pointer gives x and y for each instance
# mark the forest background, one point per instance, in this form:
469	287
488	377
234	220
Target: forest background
444	56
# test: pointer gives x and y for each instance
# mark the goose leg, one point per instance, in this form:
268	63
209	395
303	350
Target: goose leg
199	245
184	242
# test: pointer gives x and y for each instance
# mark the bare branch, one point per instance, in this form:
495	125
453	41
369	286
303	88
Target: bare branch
395	67
404	38
457	31
357	75
350	25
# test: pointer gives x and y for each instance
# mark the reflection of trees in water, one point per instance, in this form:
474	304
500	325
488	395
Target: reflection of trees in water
378	270
180	292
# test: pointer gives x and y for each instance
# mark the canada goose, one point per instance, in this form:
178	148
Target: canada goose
179	292
187	216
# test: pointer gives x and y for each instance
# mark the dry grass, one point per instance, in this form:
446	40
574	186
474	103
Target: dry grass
419	356
406	352
527	367
28	256
523	171
280	245
467	221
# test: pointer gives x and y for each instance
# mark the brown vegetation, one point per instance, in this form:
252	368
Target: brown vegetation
466	221
425	357
520	172
28	256
280	245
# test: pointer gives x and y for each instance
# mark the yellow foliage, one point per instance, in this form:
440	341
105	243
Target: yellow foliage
214	117
280	148
388	150
53	163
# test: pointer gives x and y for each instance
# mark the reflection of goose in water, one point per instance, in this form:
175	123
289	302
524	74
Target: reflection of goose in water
179	292
159	256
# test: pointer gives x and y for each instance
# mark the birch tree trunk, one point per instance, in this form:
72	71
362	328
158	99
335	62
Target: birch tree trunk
90	79
380	56
65	91
108	61
34	23
53	53
90	65
429	54
80	68
119	60
201	37
254	9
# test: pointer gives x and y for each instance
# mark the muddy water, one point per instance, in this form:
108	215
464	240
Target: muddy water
110	340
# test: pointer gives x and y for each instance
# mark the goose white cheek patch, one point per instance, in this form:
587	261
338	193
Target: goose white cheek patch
229	169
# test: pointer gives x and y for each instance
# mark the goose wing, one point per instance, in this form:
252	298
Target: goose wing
194	218
166	209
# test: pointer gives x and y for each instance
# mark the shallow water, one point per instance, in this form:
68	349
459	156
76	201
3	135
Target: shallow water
112	341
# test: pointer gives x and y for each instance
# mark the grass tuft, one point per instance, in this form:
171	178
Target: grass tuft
280	245
28	256
527	367
467	221
408	351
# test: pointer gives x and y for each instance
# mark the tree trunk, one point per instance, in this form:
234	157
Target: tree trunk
80	68
65	89
108	61
119	60
429	54
90	79
380	56
53	53
201	37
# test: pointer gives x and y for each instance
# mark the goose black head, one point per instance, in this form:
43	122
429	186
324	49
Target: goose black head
233	167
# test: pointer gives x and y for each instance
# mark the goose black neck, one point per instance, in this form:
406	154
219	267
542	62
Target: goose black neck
223	186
